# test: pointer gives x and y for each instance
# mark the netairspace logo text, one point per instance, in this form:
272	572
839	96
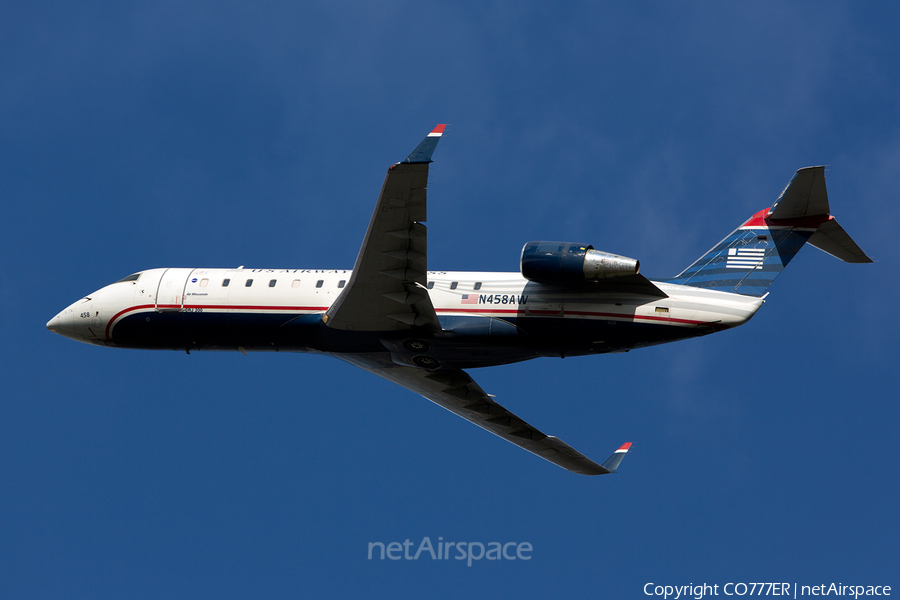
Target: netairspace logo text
468	551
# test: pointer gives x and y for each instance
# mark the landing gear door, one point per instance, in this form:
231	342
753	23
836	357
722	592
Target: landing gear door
170	293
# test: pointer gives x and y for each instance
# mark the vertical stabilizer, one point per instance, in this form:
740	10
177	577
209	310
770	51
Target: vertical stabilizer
749	259
804	196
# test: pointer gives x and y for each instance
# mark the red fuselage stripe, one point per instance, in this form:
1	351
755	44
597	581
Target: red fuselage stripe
580	313
760	220
122	312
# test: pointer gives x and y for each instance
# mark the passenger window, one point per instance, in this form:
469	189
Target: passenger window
453	285
341	283
272	283
204	282
319	283
430	285
249	283
295	283
225	282
477	286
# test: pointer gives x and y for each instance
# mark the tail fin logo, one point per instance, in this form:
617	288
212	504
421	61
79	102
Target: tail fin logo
745	258
800	215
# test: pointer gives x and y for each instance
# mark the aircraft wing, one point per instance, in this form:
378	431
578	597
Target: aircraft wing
386	291
456	391
630	284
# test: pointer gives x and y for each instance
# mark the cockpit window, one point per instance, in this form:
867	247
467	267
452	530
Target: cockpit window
134	277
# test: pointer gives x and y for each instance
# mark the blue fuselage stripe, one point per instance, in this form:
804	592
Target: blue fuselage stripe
509	337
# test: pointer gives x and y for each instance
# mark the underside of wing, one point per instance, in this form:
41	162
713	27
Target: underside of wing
456	391
386	291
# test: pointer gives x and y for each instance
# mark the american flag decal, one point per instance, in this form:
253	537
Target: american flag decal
469	299
745	258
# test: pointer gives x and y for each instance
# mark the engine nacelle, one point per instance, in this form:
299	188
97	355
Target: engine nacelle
568	262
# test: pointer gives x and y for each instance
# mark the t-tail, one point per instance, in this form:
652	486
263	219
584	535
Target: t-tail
752	256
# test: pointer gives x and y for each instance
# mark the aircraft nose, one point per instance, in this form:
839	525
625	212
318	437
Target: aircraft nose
63	324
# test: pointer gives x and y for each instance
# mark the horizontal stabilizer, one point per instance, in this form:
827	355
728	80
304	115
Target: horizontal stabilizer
831	238
612	463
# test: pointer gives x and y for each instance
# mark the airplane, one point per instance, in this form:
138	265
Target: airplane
423	329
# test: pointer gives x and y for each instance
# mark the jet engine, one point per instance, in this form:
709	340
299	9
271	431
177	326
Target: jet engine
568	262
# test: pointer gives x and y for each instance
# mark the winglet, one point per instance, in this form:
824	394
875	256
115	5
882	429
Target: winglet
422	153
612	463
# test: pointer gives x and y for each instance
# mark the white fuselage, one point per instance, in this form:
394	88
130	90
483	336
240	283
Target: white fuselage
182	308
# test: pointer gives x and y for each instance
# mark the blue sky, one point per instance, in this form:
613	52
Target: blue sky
223	134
